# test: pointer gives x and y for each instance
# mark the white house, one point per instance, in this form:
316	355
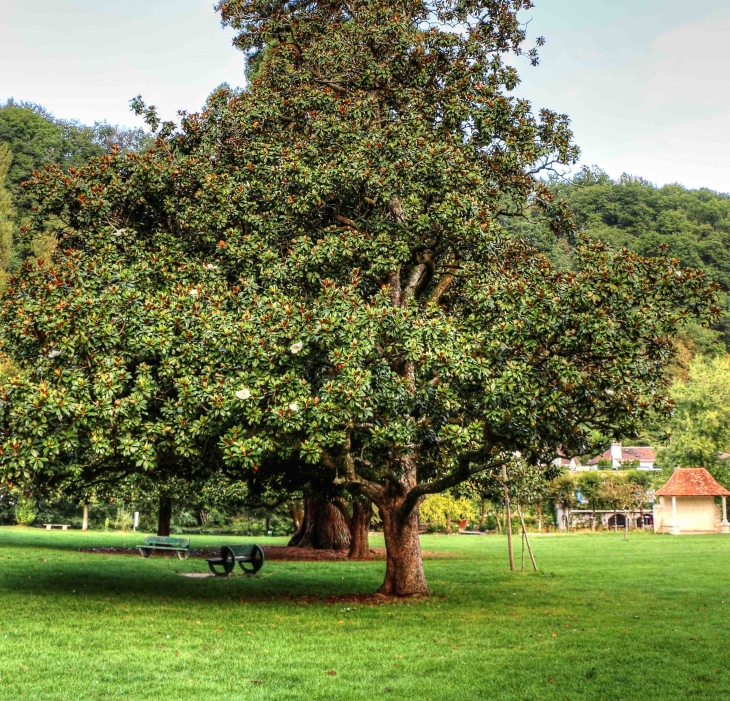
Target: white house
622	457
572	464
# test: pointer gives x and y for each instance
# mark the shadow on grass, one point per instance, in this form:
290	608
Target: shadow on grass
36	563
158	579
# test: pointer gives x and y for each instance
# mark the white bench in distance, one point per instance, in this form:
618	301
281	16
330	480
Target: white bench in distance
62	526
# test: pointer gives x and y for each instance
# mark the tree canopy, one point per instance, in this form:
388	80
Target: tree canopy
309	279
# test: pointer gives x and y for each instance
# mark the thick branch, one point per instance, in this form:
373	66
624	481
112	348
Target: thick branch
461	474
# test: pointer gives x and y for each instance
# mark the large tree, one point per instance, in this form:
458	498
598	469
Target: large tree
309	278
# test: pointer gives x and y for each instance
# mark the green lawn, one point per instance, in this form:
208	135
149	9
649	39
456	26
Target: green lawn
602	619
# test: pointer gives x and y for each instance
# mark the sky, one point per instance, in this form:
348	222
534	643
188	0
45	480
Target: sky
646	83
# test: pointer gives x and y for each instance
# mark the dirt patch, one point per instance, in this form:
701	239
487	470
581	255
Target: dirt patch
271	552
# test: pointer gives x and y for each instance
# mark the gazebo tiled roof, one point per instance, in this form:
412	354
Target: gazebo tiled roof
692	482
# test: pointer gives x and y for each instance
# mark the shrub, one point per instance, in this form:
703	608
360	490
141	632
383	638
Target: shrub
25	512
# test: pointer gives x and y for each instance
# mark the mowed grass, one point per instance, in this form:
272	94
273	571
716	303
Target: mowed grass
602	619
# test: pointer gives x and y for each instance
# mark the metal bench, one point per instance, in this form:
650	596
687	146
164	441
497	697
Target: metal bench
250	559
62	526
181	546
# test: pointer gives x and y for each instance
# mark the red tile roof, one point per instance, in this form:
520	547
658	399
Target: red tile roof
628	454
692	482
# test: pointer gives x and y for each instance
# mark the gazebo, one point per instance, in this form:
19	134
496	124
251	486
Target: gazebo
687	504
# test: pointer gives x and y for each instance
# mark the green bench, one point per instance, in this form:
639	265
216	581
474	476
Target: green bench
181	546
250	559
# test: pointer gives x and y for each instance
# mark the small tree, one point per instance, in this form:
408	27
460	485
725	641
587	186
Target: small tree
619	494
562	490
640	483
590	487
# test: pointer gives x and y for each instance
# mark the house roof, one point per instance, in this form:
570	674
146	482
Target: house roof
628	454
692	482
562	461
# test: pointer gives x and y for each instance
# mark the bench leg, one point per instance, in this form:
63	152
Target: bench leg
212	566
182	555
48	528
145	552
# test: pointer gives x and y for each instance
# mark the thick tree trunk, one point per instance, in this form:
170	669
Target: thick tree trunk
448	523
164	515
404	574
362	514
85	518
482	514
323	527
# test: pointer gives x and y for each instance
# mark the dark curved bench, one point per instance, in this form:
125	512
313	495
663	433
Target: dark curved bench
250	559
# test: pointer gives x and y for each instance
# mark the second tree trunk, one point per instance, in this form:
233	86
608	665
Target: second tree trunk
362	514
164	516
323	527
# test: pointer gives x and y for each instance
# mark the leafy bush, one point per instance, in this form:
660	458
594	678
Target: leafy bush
25	512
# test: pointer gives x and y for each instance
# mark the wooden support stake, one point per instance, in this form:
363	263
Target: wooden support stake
527	538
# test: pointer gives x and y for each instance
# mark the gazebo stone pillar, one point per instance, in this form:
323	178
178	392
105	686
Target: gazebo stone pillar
724	524
674	529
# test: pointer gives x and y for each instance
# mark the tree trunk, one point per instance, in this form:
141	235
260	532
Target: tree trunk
85	518
508	519
323	527
448	523
496	518
164	515
482	514
362	514
404	574
539	517
593	520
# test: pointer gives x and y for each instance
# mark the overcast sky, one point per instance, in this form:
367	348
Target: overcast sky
645	82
